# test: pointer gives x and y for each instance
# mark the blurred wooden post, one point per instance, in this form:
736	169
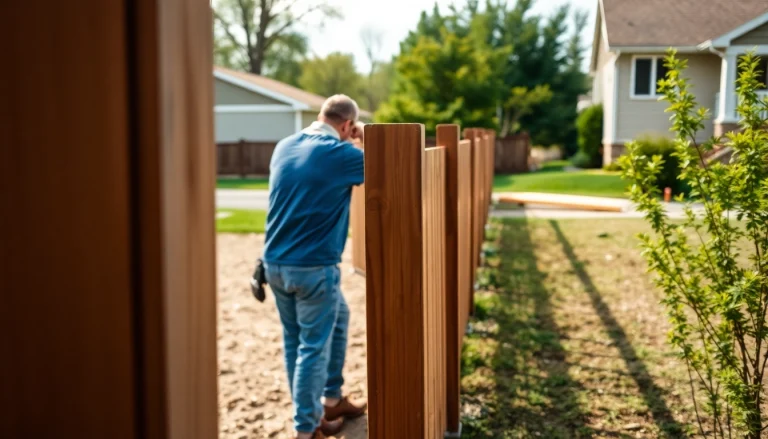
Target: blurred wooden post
357	225
448	138
108	244
405	270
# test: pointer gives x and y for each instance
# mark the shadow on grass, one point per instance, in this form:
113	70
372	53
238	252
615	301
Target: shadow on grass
651	393
515	377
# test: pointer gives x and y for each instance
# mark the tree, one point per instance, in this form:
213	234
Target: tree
252	27
285	56
333	74
379	79
522	101
713	268
448	81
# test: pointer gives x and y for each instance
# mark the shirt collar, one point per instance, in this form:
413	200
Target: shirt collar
323	128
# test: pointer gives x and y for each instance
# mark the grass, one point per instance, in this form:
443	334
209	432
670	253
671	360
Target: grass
240	221
569	339
243	183
553	179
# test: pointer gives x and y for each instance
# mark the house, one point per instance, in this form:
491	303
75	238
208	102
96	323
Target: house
631	39
259	109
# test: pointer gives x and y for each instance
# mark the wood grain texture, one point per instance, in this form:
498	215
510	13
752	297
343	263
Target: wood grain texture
65	251
448	138
180	144
434	266
464	236
357	226
395	280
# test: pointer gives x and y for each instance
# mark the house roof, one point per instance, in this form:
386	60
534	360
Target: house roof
650	23
298	98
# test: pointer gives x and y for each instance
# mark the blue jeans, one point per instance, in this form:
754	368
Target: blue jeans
315	320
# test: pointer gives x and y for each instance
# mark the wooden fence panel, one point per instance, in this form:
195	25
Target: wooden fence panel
464	236
395	280
448	138
512	154
108	248
433	218
244	158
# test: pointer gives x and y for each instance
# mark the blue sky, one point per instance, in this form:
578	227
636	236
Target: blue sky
394	18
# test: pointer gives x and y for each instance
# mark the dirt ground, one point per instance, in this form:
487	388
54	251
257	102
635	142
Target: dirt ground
254	399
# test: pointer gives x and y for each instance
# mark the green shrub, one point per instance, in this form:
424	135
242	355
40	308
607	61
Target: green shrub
589	126
651	145
713	266
582	160
613	167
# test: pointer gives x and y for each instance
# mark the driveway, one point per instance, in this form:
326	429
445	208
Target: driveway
259	200
242	199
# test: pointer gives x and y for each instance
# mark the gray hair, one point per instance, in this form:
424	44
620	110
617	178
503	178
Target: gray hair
340	108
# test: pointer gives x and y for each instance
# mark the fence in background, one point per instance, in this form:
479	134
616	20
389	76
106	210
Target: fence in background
244	158
417	231
513	154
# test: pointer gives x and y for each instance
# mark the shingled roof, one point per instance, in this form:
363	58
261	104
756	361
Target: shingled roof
278	89
649	23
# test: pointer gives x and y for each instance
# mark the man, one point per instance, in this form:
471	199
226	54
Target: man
310	186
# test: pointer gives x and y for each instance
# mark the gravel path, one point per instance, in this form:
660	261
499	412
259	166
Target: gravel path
254	400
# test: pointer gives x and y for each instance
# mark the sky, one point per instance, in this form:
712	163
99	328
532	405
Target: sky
394	18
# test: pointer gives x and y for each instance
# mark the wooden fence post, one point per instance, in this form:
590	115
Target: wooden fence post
405	270
448	138
357	225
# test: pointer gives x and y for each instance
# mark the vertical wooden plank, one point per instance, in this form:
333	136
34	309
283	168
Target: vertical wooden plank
464	234
448	138
357	224
175	178
67	368
433	260
395	280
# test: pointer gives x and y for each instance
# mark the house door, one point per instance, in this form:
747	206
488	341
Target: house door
107	258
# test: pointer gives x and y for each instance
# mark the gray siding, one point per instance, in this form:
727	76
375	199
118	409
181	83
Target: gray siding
307	117
636	117
228	94
754	37
256	127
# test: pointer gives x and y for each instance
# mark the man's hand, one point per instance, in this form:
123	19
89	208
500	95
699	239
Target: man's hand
358	131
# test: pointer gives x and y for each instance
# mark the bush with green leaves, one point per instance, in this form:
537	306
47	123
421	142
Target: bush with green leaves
712	267
651	145
589	128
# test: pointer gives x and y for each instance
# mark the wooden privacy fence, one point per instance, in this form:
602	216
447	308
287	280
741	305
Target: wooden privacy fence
244	158
417	230
513	154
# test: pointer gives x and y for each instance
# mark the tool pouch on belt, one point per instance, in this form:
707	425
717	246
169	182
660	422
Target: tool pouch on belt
258	281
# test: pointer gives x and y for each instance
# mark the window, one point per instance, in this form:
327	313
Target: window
646	73
762	68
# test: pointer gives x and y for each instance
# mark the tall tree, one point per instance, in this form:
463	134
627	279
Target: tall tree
446	81
379	79
253	26
284	58
333	74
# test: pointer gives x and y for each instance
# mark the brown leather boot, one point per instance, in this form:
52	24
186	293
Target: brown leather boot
330	428
317	435
346	409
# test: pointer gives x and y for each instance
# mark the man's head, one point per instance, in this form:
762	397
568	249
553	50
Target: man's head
341	112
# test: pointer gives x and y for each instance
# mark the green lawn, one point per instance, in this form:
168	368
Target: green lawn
569	338
587	182
242	183
241	221
550	179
